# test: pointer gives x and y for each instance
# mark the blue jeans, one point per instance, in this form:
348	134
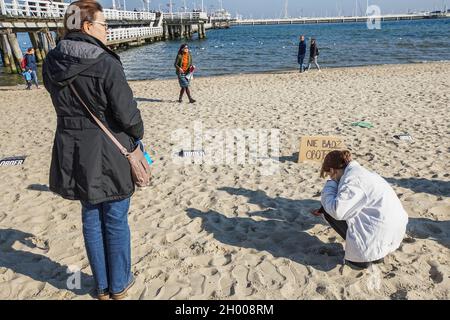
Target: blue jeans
107	239
35	78
313	60
301	59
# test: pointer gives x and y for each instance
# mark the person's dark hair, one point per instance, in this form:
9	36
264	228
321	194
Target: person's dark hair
335	160
30	49
184	45
86	9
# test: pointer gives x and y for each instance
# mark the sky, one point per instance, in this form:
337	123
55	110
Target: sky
276	8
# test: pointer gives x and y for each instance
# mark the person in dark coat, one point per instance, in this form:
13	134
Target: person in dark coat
183	64
30	64
86	166
313	54
302	53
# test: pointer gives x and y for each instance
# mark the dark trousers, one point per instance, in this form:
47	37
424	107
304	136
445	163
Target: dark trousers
341	228
301	60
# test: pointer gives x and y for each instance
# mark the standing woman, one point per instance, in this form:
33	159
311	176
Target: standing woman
183	64
85	165
363	209
313	54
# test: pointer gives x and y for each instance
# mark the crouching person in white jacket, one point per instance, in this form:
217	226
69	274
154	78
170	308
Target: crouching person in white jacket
363	208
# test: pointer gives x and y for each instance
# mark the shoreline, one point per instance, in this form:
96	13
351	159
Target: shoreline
291	71
18	87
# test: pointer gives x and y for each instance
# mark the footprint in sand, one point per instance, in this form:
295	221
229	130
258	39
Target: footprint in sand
154	289
440	211
227	286
197	248
220	261
243	285
269	275
174	236
435	273
400	294
40	243
197	285
321	289
195	226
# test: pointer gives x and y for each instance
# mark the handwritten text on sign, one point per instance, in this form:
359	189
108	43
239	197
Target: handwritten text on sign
316	148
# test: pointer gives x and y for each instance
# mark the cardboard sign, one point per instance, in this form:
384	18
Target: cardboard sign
316	148
12	161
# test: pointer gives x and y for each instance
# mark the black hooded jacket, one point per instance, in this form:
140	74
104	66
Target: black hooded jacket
86	165
313	50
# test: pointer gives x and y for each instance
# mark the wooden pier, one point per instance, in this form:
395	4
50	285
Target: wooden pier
184	24
392	17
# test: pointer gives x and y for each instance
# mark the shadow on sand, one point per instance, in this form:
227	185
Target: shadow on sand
283	233
435	187
422	228
37	267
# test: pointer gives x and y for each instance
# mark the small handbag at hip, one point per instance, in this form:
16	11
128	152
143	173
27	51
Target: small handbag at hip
140	169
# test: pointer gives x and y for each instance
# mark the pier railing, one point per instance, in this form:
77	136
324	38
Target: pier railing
112	14
38	9
185	16
52	10
387	17
129	33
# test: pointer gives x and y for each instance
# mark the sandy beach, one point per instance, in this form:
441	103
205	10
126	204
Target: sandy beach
229	231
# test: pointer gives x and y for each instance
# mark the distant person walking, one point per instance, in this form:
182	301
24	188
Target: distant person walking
302	53
313	54
183	65
30	64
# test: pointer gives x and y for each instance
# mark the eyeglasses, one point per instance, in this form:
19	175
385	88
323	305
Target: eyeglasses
102	23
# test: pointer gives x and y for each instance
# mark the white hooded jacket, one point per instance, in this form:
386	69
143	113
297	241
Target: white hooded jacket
374	214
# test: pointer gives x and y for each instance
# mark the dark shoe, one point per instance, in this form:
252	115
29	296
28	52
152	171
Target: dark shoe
192	101
379	261
180	100
123	294
103	294
358	265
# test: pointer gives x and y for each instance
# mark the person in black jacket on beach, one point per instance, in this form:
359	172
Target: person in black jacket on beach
86	166
301	53
313	54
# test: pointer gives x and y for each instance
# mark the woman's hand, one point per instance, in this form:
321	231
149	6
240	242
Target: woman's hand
334	175
316	212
